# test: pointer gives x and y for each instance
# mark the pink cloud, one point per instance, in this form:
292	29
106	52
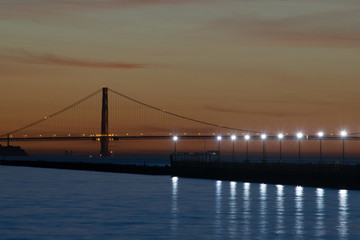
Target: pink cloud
25	57
323	29
40	8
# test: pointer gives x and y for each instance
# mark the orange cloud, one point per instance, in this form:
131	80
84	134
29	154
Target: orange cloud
22	56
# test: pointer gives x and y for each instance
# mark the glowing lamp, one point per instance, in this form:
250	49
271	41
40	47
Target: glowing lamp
343	133
299	135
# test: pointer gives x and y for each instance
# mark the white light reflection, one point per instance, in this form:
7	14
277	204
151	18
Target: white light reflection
280	209
320	213
246	210
174	185
299	215
233	211
263	209
218	224
343	213
174	206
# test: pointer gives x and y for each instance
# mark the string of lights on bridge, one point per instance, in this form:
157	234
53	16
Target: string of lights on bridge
262	136
299	136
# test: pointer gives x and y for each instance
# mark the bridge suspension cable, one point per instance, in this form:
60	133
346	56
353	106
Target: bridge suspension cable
54	114
134	119
183	117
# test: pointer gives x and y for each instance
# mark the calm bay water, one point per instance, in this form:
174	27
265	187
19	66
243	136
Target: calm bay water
64	204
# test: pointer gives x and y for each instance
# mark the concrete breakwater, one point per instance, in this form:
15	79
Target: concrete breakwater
312	175
101	167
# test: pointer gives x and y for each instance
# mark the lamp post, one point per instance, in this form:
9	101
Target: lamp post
175	138
247	138
299	135
233	138
320	135
280	136
218	138
263	137
343	135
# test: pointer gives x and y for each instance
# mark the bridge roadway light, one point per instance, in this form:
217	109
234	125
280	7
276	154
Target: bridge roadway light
247	138
280	137
320	135
233	138
343	135
263	137
299	135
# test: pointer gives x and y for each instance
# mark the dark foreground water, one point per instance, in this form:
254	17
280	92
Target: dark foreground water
64	204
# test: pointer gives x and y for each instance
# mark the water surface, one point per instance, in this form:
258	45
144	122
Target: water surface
40	203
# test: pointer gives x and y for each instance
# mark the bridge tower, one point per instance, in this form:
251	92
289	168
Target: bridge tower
104	124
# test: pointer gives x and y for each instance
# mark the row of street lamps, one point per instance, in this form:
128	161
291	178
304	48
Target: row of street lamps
280	136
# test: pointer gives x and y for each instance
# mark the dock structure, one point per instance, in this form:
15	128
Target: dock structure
311	175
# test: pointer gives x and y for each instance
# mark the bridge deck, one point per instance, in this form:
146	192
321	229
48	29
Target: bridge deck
169	137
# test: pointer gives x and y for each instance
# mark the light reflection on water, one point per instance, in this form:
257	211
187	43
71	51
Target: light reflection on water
343	213
232	211
246	214
263	209
279	209
320	213
218	213
174	206
299	215
60	204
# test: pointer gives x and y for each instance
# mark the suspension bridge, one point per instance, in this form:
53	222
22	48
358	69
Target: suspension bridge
107	115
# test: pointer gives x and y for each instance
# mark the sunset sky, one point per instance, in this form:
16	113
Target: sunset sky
259	65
